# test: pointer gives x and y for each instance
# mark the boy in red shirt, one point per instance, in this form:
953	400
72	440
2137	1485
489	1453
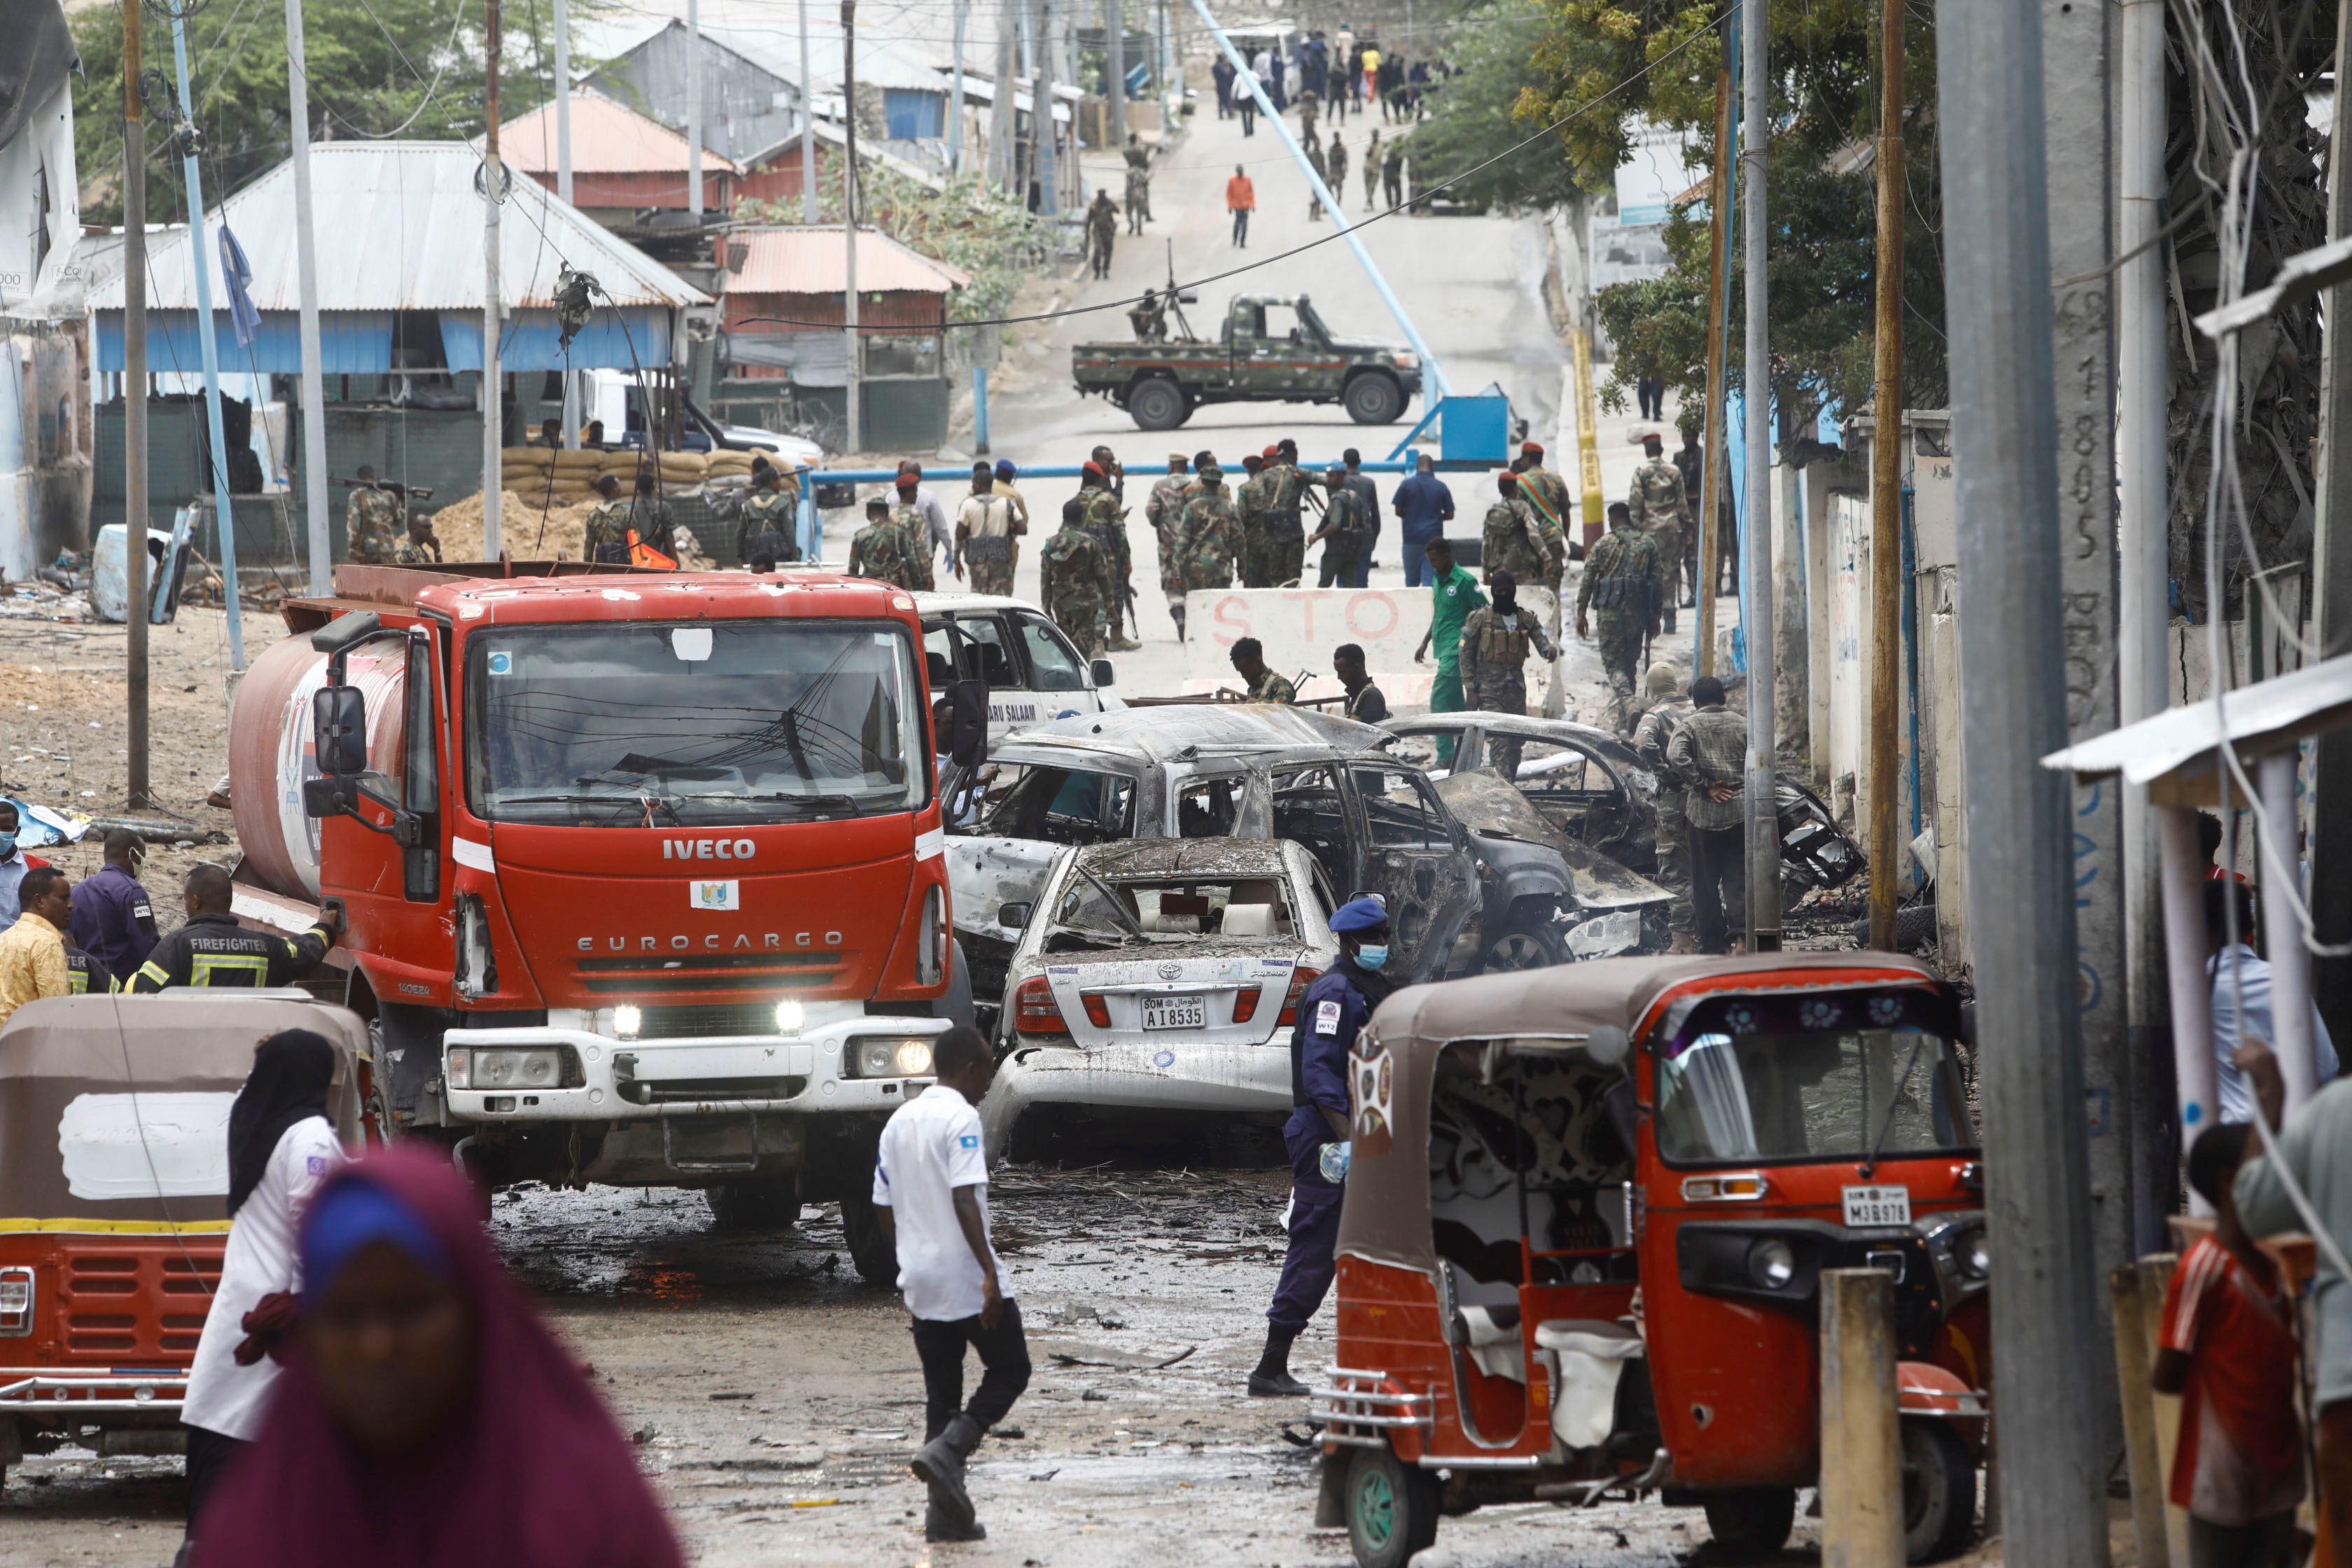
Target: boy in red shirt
2228	1350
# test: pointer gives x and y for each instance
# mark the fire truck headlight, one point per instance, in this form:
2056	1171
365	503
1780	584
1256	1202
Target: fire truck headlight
626	1021
888	1057
790	1016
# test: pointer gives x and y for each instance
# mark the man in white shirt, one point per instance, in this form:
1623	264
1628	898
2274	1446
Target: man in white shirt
930	1187
2238	972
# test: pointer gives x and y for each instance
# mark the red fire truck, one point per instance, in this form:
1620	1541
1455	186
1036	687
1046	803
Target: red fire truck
639	874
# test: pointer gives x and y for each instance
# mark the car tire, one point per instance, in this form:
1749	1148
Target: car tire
1157	403
1523	944
756	1203
1390	1506
1940	1492
871	1247
1373	399
1752	1522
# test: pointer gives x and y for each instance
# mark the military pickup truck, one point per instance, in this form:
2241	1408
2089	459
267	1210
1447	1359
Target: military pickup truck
1274	350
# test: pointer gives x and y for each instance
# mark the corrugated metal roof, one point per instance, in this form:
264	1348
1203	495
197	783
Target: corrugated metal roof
777	50
607	138
399	227
815	261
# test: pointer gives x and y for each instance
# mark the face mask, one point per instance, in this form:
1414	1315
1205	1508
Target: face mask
7	844
1373	958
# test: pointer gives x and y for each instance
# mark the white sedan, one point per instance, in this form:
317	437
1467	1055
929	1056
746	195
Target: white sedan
1160	974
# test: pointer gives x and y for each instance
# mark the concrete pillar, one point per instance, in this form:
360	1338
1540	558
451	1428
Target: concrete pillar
1862	1436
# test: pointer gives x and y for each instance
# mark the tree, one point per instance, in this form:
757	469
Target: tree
413	68
1472	118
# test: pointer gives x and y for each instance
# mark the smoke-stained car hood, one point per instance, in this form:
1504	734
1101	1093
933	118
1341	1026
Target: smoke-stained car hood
1501	817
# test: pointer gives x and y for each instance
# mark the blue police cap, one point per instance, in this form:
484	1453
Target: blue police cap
1361	914
1005	469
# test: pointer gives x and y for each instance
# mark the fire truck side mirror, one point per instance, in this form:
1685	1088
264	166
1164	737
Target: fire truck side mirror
339	730
968	723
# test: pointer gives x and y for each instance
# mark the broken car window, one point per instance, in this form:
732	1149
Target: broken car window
1401	811
1179	906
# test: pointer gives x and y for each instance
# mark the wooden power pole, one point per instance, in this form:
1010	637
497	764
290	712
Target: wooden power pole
1886	485
134	405
1718	309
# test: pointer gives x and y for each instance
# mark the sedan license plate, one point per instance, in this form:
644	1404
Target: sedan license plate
1175	1013
1877	1206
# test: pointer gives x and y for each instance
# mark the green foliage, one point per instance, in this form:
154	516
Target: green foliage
377	68
968	224
1471	119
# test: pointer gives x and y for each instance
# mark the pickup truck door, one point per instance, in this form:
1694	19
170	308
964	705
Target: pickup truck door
1259	334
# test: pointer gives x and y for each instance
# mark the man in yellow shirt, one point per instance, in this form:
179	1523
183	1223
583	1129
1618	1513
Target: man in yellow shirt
33	950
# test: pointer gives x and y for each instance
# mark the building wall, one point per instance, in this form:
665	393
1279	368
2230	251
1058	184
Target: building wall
745	109
629	194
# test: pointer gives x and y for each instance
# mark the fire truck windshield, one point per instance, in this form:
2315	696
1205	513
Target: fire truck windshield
700	724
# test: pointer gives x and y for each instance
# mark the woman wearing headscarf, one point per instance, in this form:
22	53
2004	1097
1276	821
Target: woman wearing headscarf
280	1147
427	1419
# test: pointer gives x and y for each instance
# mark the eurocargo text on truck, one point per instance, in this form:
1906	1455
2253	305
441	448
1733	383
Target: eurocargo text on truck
640	874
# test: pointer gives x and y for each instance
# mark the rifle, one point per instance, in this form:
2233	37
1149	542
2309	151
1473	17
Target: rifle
390	487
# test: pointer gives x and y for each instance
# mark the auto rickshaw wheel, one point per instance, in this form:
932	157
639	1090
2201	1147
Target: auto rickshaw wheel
1939	1491
1752	1522
1391	1508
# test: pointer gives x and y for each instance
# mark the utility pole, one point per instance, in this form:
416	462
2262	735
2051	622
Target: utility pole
1115	74
493	393
852	348
1886	485
1003	160
1041	110
2143	606
306	277
2331	593
199	240
955	97
1718	309
808	128
694	110
1989	101
564	192
2077	48
1763	845
134	408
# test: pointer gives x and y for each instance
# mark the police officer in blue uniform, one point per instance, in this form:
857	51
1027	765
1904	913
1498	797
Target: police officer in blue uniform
1331	1013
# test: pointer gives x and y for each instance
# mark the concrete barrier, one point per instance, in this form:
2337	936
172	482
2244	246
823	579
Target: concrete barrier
1301	627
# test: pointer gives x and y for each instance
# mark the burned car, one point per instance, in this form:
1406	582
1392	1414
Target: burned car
1370	822
1160	974
1592	790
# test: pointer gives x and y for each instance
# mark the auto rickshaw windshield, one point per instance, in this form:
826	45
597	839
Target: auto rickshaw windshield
1819	1075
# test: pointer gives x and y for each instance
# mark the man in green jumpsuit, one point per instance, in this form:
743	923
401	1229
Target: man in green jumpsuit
1454	594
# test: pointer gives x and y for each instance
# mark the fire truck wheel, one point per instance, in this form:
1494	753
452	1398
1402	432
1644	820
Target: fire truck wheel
1752	1522
870	1246
762	1202
1940	1492
1391	1508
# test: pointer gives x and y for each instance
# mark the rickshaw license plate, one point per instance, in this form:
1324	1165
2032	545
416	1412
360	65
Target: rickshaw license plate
1175	1013
1877	1206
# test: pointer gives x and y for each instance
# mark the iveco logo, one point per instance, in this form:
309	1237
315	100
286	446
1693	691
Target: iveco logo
707	849
1170	970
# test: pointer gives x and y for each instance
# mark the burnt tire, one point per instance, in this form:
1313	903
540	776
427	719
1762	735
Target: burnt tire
871	1247
1752	1522
1940	1492
1523	944
1158	404
755	1203
1391	1508
1373	399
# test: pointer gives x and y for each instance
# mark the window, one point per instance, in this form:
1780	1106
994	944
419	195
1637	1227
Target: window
1053	663
1552	768
1307	811
1401	811
912	114
1060	806
1278	323
1207	809
1173	906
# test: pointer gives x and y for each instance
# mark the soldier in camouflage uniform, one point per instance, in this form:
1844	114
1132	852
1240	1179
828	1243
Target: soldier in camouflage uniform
1164	511
1249	506
1102	231
1661	510
888	551
418	547
914	532
370	521
1105	521
607	538
1494	660
1071	571
1620	585
768	531
1515	540
1335	165
651	516
1668	708
1205	546
1546	492
1278	547
1138	183
1264	686
1346	530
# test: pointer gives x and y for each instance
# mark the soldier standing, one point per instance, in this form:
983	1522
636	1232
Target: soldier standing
1515	540
1204	546
1106	521
1164	511
370	521
767	531
1344	532
1314	200
1310	106
1249	506
888	551
914	532
1493	663
1690	460
1071	571
1393	173
650	516
1667	710
985	529
1659	510
1336	161
1371	169
1285	532
1619	584
1102	231
607	538
1138	183
1264	686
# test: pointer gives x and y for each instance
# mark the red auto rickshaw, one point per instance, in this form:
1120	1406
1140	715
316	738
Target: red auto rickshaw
113	1194
1585	1221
